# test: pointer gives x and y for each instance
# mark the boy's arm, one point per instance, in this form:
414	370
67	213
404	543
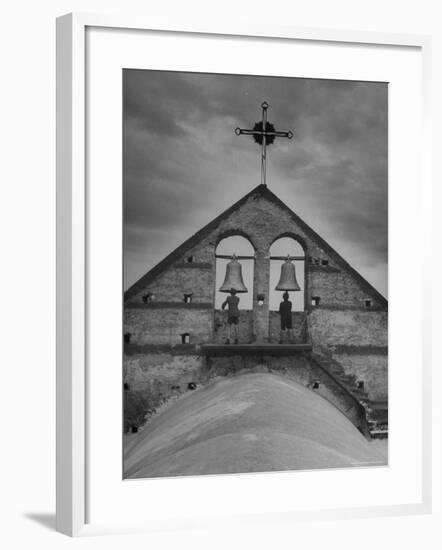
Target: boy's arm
224	304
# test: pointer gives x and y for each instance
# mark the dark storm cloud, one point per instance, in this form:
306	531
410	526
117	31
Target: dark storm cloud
183	164
157	103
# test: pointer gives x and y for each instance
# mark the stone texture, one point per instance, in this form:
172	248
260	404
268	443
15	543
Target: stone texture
337	288
245	326
371	369
350	327
152	379
165	326
299	322
171	285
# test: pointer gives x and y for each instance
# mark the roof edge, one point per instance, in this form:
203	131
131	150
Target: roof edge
328	248
264	191
189	243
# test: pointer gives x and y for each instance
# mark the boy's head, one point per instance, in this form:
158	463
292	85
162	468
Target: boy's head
285	296
232	291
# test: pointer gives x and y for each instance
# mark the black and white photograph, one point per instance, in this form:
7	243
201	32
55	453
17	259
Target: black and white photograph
255	257
215	208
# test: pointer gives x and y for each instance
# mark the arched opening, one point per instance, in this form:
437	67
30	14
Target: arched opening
223	329
280	249
286	327
239	246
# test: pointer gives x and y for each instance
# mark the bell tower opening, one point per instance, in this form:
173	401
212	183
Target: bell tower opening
243	250
287	273
235	263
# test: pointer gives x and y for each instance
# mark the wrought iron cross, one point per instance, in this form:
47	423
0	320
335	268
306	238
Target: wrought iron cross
264	134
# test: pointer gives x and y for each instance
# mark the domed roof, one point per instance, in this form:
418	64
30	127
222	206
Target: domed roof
252	422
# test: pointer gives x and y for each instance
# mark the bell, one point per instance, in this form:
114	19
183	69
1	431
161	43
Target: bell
288	281
233	278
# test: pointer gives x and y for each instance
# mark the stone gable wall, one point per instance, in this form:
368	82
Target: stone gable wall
262	221
341	319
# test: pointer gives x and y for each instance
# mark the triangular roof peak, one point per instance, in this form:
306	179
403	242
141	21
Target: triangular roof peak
189	243
259	191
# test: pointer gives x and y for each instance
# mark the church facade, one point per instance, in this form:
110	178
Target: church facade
173	332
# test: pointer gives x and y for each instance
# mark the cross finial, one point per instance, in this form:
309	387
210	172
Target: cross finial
264	134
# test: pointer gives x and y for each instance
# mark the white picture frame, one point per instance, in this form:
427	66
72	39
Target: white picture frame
73	263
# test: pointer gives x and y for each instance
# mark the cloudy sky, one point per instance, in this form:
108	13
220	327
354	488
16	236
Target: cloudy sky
183	164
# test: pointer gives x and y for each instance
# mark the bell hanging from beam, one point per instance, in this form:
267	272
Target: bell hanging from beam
233	279
288	281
